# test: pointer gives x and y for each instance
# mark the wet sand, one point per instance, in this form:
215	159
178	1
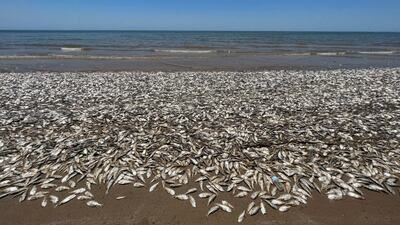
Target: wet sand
158	208
200	63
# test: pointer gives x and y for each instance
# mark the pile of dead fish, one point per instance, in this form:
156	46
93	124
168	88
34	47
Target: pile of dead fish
271	137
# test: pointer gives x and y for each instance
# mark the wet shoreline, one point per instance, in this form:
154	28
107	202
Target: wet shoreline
199	63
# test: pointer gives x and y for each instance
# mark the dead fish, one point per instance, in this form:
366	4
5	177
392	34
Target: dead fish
374	187
67	199
138	185
83	197
202	178
263	208
277	202
47	186
254	210
205	195
242	188
211	199
153	187
175	185
354	195
37	195
89	194
62	188
254	195
181	197
78	191
241	194
170	190
335	196
230	187
241	216
271	204
250	206
53	199
13	189
23	196
125	182
190	191
72	183
284	208
192	201
44	202
224	202
93	204
213	210
285	197
33	190
120	197
224	207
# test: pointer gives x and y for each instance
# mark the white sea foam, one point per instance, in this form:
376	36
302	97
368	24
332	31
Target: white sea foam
378	53
68	49
184	51
331	53
299	54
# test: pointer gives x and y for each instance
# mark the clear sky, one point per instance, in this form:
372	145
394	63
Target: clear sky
279	15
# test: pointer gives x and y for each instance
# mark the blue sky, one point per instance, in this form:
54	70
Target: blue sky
282	15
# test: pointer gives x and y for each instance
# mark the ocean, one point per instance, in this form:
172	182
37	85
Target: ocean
135	45
150	43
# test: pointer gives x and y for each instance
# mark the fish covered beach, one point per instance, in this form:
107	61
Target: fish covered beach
261	147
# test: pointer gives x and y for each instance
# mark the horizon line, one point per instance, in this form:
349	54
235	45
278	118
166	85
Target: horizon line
178	30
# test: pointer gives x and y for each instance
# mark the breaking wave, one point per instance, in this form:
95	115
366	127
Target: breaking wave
71	49
330	53
184	51
378	53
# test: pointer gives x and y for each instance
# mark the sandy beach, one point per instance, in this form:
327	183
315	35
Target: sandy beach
144	208
312	147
